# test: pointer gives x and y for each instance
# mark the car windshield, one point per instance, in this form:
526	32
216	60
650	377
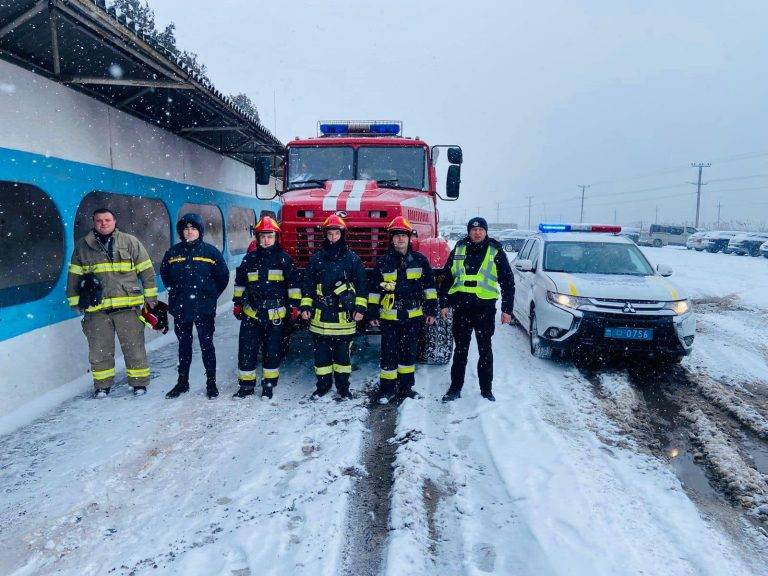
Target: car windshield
396	167
595	258
314	165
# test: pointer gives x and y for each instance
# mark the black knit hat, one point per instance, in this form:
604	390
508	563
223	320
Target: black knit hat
475	222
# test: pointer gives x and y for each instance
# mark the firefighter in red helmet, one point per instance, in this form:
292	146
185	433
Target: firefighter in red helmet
402	299
333	299
265	286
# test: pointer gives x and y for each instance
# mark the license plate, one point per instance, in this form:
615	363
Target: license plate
629	333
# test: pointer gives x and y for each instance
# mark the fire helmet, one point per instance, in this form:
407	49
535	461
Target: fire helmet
334	221
267	224
400	225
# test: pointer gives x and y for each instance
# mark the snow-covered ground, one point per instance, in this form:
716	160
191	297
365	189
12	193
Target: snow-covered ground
544	481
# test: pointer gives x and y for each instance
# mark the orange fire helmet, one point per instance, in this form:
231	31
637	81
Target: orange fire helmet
267	224
400	224
334	221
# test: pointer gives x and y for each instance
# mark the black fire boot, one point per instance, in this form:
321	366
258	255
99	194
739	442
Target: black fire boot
266	391
210	387
488	395
243	392
181	387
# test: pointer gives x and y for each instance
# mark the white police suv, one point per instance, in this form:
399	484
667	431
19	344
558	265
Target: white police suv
585	288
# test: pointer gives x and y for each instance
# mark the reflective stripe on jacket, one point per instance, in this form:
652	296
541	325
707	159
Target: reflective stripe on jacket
127	277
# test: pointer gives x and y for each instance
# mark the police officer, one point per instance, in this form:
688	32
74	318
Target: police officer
476	274
403	295
265	283
333	296
195	274
119	266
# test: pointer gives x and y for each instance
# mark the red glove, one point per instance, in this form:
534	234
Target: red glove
237	310
294	313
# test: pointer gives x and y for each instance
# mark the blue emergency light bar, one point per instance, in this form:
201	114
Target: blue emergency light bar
347	128
579	228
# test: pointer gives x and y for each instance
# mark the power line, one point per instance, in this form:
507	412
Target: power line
583	190
700	166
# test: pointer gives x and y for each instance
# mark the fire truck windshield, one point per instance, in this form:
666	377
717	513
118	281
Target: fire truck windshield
315	165
390	166
396	167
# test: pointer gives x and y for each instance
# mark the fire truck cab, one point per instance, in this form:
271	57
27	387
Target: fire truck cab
368	173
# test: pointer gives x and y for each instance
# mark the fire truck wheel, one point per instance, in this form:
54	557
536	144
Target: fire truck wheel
436	342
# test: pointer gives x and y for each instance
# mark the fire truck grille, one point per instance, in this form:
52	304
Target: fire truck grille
368	243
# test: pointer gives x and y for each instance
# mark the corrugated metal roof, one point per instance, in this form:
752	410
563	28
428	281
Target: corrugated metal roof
97	51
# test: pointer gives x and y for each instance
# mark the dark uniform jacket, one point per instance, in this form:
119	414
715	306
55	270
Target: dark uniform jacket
334	288
266	283
195	274
475	256
403	287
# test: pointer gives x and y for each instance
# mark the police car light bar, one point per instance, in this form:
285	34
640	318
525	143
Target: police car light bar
579	228
342	128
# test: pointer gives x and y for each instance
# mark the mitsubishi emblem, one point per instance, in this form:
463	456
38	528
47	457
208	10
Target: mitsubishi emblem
628	308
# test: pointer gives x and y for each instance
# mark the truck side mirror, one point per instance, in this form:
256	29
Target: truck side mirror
455	156
263	170
453	181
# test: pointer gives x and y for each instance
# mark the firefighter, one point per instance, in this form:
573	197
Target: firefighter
476	274
333	296
195	274
403	296
110	278
265	286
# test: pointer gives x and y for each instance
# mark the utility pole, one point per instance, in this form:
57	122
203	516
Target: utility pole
583	190
614	215
498	206
699	184
719	204
529	211
656	220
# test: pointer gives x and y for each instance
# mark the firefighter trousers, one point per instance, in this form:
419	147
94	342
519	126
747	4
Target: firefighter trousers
481	320
100	329
332	361
399	341
205	329
259	336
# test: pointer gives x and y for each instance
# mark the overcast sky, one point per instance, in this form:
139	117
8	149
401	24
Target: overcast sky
542	97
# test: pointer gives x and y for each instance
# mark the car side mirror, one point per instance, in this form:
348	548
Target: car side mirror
664	270
455	155
523	265
453	182
263	170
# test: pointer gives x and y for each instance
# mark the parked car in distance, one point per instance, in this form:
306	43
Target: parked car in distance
747	244
453	231
659	235
694	241
764	249
717	241
631	233
513	240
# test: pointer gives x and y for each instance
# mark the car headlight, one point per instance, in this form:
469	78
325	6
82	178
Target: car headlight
566	300
679	307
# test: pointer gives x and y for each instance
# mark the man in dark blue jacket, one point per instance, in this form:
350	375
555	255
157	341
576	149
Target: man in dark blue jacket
476	274
195	274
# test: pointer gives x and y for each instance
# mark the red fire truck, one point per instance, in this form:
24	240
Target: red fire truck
368	173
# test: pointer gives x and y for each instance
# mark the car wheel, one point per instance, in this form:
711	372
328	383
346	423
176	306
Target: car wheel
539	348
657	243
508	247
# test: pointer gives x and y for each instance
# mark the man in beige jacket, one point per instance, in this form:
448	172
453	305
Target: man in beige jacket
110	279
